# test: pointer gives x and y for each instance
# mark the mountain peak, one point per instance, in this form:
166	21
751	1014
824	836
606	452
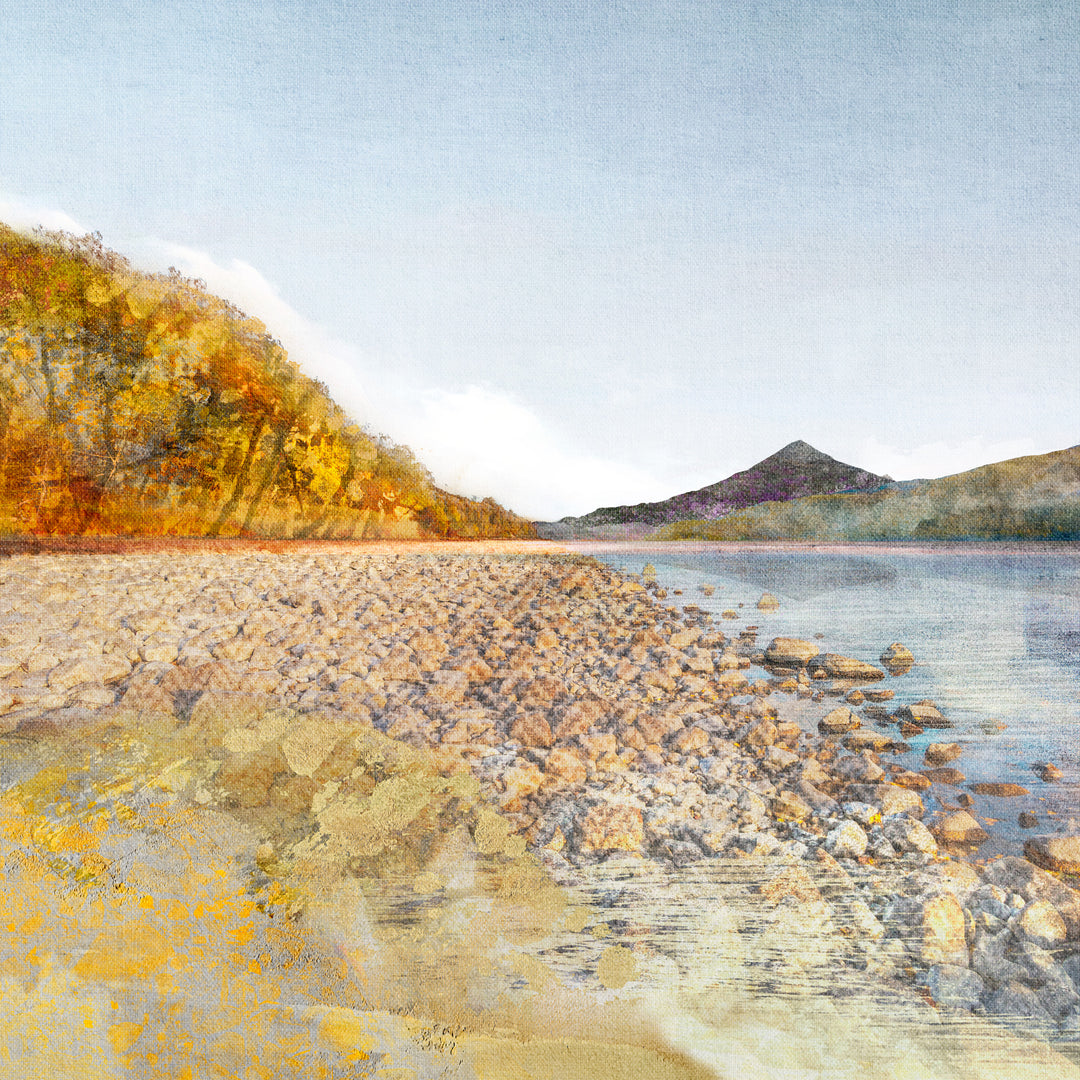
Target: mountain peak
801	451
794	471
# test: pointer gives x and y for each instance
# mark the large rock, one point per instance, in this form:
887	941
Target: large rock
785	652
999	790
1059	853
942	753
894	799
907	834
563	766
839	722
1042	923
959	828
846	841
897	659
858	769
109	668
934	927
923	713
955	986
836	666
531	729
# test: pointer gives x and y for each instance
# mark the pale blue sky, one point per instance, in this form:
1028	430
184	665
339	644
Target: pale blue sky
581	253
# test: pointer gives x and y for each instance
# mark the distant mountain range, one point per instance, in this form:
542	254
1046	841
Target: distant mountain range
794	472
800	493
1026	498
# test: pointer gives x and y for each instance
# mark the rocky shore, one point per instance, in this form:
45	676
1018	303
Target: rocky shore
600	725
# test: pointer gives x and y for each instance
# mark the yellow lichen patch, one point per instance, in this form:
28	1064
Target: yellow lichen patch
572	1059
124	1035
348	1031
617	967
123	952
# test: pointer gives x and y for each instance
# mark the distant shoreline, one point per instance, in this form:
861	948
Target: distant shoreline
119	545
900	547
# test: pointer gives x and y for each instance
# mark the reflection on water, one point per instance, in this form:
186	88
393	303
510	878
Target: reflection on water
791	575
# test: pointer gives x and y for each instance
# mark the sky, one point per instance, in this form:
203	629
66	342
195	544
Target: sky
584	253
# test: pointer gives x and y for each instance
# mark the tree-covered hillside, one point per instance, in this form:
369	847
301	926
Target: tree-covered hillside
139	404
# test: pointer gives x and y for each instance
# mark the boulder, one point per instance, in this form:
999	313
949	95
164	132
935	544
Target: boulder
838	722
942	753
912	780
955	986
785	652
898	800
1041	923
924	713
768	602
1059	853
935	928
897	659
1015	875
1048	772
959	828
846	841
788	806
531	729
952	777
858	769
563	766
835	666
878	694
906	834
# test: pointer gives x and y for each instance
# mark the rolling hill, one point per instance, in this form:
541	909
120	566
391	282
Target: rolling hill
140	404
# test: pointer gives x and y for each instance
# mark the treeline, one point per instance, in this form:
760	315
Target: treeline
1027	498
140	404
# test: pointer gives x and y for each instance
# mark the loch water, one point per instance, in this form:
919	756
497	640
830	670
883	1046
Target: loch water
995	631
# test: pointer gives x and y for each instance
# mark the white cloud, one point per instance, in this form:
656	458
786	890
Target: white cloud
476	441
24	217
481	441
936	459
